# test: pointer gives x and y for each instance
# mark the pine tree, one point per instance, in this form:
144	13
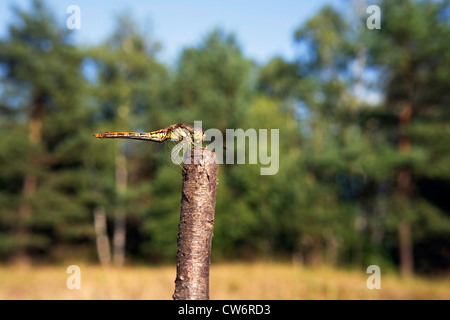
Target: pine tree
42	113
411	51
129	94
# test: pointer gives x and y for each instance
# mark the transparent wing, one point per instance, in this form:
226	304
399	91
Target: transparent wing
176	155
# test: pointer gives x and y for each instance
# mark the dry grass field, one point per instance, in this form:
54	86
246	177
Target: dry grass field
227	281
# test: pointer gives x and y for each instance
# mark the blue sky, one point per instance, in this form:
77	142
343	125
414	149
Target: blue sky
263	28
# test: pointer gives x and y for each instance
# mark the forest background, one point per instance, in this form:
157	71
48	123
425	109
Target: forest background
363	116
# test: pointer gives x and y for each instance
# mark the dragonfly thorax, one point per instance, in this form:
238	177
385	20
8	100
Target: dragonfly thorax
180	134
198	135
194	136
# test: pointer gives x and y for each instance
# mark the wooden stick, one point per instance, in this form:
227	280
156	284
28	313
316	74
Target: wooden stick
198	201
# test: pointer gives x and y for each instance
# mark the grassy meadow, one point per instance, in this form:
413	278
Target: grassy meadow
227	281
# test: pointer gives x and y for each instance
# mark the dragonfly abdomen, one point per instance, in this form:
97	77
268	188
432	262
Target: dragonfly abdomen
153	136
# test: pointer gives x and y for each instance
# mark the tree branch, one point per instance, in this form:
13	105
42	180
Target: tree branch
195	233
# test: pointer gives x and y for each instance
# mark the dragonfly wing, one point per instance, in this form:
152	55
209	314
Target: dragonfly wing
175	153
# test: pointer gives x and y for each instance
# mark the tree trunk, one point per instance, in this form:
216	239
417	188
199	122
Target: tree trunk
119	237
314	257
406	249
103	248
195	233
404	185
120	213
30	181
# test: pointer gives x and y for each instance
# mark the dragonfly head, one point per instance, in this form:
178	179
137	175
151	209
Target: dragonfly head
198	135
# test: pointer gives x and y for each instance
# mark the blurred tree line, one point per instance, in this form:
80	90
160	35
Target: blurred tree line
363	116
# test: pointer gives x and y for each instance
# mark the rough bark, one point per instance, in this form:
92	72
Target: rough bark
195	233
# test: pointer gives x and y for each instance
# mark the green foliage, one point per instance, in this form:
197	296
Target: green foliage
212	83
336	196
44	144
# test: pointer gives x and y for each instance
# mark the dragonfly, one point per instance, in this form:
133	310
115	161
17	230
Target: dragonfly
180	132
